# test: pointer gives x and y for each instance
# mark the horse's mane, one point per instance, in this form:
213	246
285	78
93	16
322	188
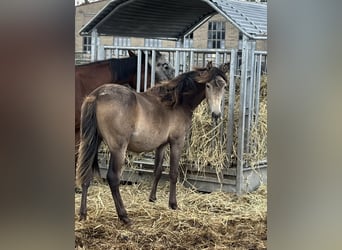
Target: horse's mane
172	93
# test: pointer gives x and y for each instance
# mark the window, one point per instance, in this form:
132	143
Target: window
150	42
87	44
216	35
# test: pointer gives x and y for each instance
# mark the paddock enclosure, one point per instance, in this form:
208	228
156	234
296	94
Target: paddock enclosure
229	157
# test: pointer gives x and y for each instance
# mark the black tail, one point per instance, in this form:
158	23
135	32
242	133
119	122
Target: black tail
89	142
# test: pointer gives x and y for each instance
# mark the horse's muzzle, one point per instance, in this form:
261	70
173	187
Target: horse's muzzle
215	116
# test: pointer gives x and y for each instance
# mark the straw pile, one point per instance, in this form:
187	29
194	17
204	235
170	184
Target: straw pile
203	221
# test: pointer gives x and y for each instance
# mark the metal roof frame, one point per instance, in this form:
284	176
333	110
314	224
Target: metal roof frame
173	19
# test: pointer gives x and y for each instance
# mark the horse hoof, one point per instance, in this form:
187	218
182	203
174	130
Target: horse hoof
126	221
152	199
173	206
82	217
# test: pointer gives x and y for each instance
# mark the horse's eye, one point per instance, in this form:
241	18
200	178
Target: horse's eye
207	85
158	64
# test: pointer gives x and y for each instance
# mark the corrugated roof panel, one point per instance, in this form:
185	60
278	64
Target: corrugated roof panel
174	18
247	16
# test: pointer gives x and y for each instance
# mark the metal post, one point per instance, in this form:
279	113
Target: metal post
177	63
257	88
231	103
250	91
183	56
242	117
146	70
153	68
139	71
191	64
217	59
100	51
93	45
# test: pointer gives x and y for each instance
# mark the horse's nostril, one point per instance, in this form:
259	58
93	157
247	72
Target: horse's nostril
215	116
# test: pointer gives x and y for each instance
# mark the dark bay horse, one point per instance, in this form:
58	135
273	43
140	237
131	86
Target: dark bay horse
121	71
142	122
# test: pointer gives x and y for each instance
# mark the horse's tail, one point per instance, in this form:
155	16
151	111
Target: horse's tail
89	143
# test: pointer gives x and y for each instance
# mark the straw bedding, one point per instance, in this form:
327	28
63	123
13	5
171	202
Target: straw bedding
203	221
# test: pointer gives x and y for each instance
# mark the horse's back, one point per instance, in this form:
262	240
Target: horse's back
115	111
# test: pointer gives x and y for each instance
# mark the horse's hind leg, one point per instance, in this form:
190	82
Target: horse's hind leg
83	208
158	169
113	178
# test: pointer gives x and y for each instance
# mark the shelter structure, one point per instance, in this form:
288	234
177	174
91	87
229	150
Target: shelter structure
175	20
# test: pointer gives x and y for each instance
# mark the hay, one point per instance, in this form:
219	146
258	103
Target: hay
208	144
203	221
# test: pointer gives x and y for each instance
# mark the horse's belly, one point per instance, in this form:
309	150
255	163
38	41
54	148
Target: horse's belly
141	142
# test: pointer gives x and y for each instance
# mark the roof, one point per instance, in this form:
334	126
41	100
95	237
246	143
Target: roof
172	19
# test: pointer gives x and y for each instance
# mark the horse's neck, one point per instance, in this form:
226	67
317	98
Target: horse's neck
122	69
195	99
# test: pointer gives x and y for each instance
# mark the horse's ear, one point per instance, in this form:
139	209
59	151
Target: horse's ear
131	53
225	67
209	65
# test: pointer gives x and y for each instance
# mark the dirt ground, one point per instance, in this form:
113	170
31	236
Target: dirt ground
203	221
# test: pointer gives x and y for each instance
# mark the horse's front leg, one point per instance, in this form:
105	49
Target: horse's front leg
175	154
158	169
113	178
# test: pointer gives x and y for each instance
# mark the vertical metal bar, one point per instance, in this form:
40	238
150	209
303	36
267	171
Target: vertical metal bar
146	70
250	90
257	87
242	117
100	52
231	104
139	71
183	54
247	93
191	64
177	63
197	60
184	61
254	69
93	45
153	68
223	109
217	59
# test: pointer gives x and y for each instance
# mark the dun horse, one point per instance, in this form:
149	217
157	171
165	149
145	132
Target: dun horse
141	122
121	71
